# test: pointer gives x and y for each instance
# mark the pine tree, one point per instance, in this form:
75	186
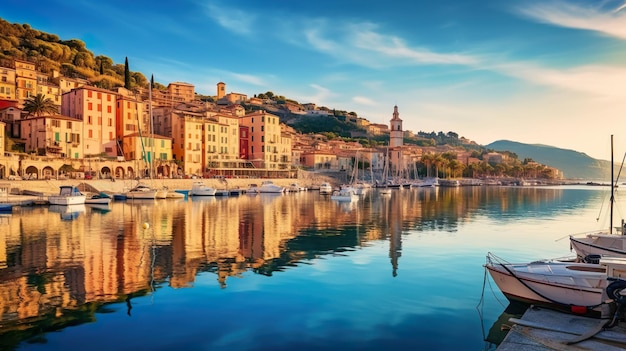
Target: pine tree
126	75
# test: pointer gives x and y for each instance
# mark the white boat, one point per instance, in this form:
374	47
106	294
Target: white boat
567	286
326	188
609	242
268	186
161	193
68	195
201	189
346	194
141	192
294	188
99	199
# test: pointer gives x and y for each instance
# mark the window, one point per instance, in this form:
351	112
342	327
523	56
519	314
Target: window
108	97
89	106
99	106
99	95
110	122
57	136
88	93
109	109
262	128
90	133
69	125
88	119
110	135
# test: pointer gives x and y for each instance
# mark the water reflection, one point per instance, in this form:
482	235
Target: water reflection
55	272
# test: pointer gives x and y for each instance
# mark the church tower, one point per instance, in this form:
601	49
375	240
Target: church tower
221	90
395	129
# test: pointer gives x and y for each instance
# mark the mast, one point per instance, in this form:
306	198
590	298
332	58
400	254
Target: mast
612	189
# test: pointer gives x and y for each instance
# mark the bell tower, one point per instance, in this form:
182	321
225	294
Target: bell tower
395	129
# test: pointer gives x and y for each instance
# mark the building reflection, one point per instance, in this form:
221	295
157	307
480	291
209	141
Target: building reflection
51	267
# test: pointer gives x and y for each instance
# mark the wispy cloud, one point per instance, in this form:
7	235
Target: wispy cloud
248	78
611	22
596	80
364	101
232	19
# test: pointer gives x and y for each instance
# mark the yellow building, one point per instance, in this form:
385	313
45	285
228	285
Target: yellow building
26	81
51	92
55	135
97	109
7	84
187	139
2	140
152	149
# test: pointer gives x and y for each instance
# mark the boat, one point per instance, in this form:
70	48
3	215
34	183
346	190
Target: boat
68	195
119	197
450	183
161	193
141	192
236	191
6	207
100	199
222	192
561	285
175	195
268	186
326	188
345	194
201	189
294	188
607	242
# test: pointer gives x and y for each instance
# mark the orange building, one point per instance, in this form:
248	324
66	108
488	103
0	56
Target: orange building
97	109
25	80
268	147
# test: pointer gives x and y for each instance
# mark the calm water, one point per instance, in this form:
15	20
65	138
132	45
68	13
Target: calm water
279	272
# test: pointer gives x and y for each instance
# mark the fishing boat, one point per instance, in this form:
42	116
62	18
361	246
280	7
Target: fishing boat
68	195
607	242
201	189
567	286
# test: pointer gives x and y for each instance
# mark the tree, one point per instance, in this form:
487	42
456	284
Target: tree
126	75
39	105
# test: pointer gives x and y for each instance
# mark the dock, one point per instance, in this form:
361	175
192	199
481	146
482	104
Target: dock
542	329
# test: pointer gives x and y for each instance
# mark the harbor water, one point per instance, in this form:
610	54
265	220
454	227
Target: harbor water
294	271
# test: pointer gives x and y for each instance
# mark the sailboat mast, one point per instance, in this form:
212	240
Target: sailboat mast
151	129
612	189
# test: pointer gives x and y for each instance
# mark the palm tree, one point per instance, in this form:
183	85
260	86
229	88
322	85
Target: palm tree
39	105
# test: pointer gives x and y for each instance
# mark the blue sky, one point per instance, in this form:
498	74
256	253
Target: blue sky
545	71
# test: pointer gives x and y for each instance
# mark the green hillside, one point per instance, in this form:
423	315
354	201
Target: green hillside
574	164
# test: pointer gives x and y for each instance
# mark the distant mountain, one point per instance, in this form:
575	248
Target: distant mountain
573	164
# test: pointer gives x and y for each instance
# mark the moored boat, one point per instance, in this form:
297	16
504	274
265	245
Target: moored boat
326	188
345	195
201	189
68	195
561	285
268	186
141	192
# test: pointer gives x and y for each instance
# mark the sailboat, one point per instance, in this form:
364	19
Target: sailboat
604	242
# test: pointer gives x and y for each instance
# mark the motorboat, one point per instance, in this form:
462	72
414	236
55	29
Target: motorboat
346	195
562	285
141	192
269	187
294	188
201	189
68	195
100	199
326	188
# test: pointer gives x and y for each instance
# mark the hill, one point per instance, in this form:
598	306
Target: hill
574	164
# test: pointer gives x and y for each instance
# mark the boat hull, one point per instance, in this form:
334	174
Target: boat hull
554	285
599	244
67	200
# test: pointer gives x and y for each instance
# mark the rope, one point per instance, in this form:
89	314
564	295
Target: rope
499	262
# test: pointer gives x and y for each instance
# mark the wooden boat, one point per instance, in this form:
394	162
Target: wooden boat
68	195
566	286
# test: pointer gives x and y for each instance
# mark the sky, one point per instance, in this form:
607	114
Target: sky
549	72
